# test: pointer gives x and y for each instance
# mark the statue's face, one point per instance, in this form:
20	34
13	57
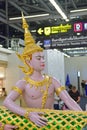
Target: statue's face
37	61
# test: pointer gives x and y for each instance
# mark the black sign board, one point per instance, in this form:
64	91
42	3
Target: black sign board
59	43
68	35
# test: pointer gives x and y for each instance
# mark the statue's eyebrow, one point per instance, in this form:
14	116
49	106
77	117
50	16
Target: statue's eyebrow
39	56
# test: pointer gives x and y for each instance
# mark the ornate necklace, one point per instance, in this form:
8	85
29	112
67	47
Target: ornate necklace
39	84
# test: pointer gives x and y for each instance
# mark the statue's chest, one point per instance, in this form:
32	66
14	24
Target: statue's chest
36	93
39	89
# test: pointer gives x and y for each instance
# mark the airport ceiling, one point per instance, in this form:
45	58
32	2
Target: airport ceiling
71	43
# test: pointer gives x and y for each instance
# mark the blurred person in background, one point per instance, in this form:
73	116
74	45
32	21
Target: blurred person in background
74	93
83	87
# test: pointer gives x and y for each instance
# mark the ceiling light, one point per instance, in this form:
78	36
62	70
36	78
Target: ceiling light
31	16
67	49
66	55
33	31
78	34
58	8
78	10
76	55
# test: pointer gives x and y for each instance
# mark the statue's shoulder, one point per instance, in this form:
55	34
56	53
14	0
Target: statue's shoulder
48	78
21	83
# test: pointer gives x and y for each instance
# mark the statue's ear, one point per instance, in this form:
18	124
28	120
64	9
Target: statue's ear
27	60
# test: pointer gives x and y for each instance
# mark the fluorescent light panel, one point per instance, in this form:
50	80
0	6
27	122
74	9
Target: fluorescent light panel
67	49
66	55
78	10
59	9
32	16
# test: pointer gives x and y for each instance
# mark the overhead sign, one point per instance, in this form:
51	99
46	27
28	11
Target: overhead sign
63	43
78	27
85	26
66	35
40	31
64	29
47	31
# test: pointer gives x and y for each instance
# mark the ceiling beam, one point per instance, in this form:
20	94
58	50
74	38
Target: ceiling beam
12	25
3	37
2	15
36	7
45	5
49	17
16	27
74	4
18	7
3	20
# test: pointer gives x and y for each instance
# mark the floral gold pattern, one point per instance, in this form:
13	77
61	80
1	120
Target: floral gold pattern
57	119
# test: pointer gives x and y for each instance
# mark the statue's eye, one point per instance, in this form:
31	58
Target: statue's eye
40	57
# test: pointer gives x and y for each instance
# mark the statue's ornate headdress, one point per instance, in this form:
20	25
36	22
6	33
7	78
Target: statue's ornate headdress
30	47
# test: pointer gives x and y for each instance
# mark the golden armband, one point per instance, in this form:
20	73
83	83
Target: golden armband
17	90
2	127
59	90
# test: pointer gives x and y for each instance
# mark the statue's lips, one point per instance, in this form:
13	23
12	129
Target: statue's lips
43	65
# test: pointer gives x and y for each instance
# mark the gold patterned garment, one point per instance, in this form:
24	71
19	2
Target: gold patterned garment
57	119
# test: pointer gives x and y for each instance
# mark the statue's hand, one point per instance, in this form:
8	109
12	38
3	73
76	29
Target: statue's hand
36	117
10	127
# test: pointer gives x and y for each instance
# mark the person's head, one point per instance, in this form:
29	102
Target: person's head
73	89
30	50
83	81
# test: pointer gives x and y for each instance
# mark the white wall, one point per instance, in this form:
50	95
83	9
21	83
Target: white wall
55	65
13	73
3	57
73	65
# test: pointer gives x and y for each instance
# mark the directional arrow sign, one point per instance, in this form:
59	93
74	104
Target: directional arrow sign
40	31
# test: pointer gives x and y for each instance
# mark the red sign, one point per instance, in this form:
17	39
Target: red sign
78	27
